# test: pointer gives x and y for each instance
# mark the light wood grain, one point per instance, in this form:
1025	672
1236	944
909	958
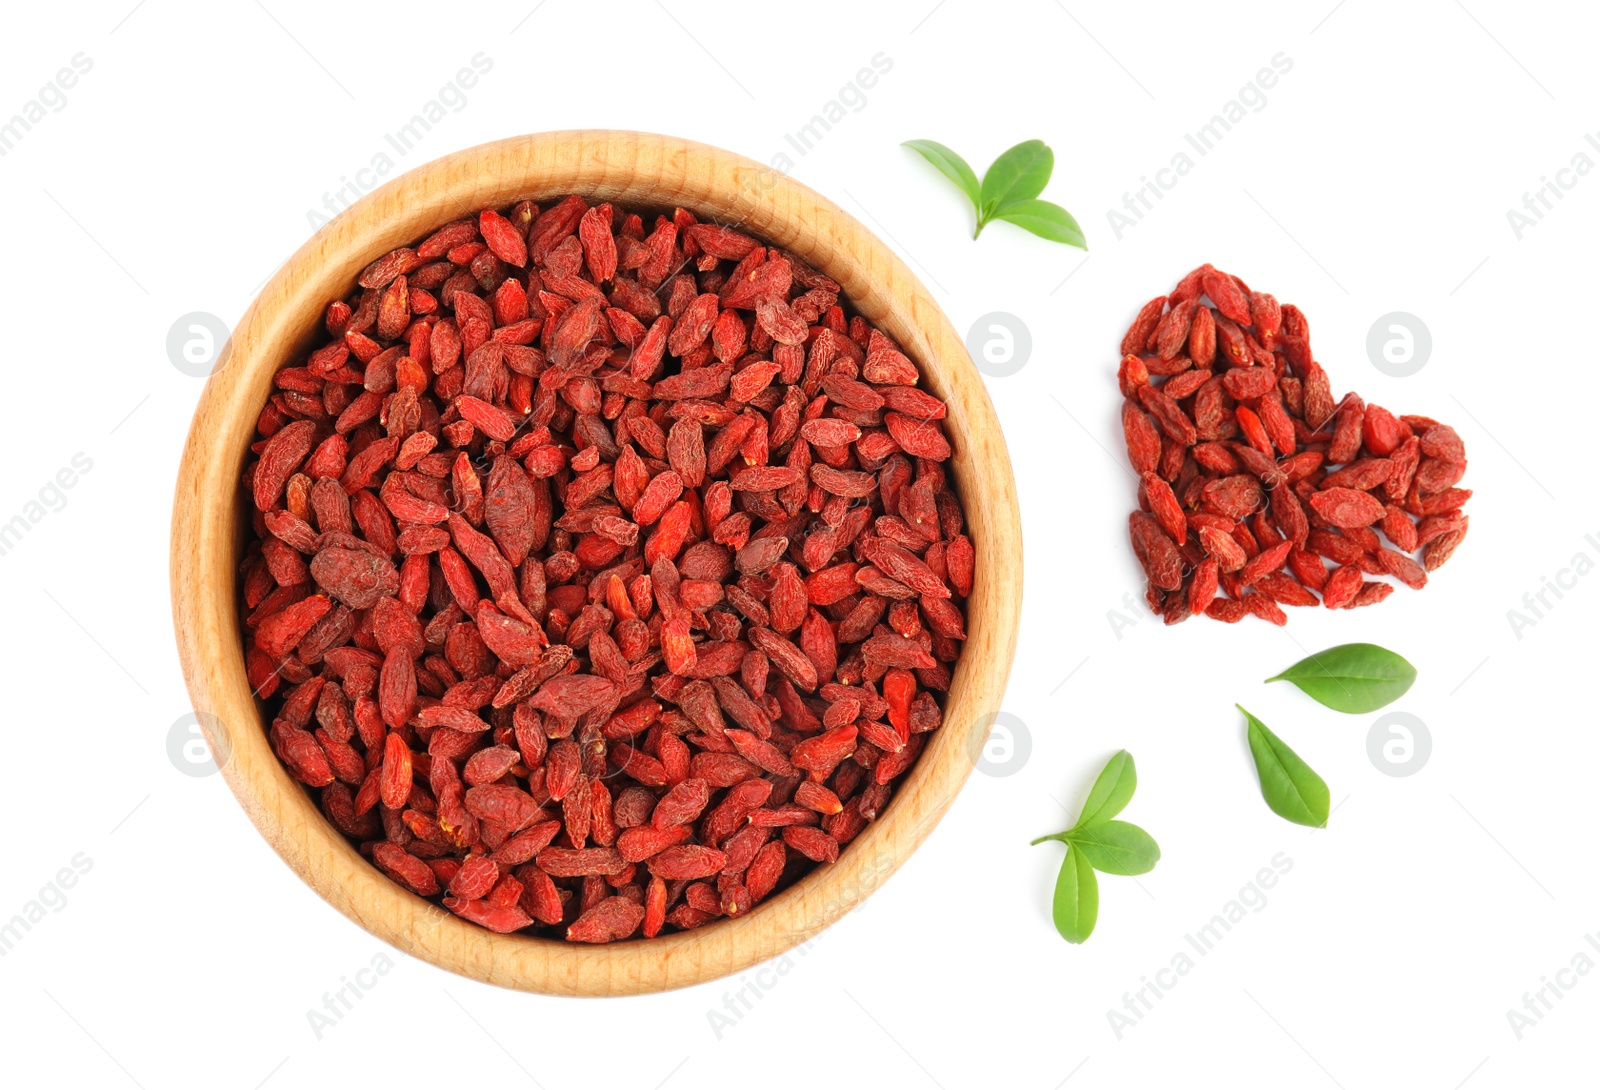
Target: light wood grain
210	522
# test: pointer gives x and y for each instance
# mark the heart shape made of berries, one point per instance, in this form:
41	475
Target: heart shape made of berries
1257	489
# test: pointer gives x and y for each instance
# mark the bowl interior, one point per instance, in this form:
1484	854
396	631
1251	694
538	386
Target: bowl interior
639	171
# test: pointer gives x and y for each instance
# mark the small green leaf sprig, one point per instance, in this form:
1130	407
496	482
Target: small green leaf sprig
1010	189
1099	843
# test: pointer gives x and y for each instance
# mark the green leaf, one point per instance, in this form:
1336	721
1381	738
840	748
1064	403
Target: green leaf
1020	173
1044	219
1116	847
950	164
1353	677
1111	791
1291	788
1077	901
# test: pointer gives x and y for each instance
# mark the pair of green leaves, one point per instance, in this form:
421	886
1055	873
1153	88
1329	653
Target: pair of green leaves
1010	189
1098	842
1353	678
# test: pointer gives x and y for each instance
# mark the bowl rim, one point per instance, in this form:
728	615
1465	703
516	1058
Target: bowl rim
209	523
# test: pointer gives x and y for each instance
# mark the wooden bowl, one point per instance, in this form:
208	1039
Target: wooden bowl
210	524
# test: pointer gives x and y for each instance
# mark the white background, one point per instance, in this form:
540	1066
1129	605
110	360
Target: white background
1376	178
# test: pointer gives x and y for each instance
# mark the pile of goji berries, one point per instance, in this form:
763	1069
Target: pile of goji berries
605	575
1254	481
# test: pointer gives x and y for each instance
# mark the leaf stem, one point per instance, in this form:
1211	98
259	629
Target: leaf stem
1061	836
